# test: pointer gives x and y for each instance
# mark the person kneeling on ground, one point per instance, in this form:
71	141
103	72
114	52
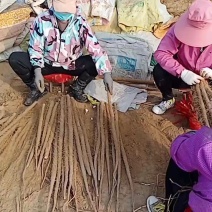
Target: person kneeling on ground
184	55
57	39
189	175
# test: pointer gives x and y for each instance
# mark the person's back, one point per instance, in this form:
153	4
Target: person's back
193	152
189	175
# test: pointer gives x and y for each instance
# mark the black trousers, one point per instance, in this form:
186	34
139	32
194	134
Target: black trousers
165	82
180	194
20	63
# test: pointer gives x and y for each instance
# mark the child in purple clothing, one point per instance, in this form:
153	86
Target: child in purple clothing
189	174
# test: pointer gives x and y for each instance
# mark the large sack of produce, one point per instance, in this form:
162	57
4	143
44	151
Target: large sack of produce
136	15
12	23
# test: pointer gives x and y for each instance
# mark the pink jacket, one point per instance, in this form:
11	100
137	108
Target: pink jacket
174	56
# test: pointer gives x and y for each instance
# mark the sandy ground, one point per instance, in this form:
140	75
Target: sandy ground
146	138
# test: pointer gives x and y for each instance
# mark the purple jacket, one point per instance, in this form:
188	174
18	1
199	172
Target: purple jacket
186	57
193	152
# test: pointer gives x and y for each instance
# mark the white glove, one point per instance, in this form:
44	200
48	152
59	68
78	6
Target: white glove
190	77
108	81
39	80
206	73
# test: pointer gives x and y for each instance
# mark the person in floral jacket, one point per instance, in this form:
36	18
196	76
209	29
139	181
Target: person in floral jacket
57	39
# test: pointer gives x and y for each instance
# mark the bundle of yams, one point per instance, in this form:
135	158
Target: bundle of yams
63	152
202	94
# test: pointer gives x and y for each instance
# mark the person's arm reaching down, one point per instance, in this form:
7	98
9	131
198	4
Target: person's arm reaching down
98	55
165	54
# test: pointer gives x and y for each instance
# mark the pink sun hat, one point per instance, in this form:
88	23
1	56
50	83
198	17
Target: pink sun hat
64	6
194	28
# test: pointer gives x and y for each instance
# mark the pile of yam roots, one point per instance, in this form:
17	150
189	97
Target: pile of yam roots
59	145
202	94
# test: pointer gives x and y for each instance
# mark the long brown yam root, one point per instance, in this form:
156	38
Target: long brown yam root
60	142
71	145
80	156
75	181
20	140
9	120
62	180
3	120
202	106
114	136
6	135
47	119
82	140
66	153
102	159
124	157
88	149
38	137
28	161
51	138
112	145
207	100
53	171
107	151
118	187
46	170
115	139
13	139
48	132
208	89
119	165
12	124
18	204
127	167
98	140
45	125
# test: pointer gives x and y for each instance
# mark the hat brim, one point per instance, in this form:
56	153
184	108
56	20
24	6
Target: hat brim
190	35
64	7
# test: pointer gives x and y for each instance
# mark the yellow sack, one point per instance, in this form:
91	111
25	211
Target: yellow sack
12	23
137	15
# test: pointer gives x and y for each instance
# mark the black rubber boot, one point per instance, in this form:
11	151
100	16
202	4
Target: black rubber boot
34	94
77	89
